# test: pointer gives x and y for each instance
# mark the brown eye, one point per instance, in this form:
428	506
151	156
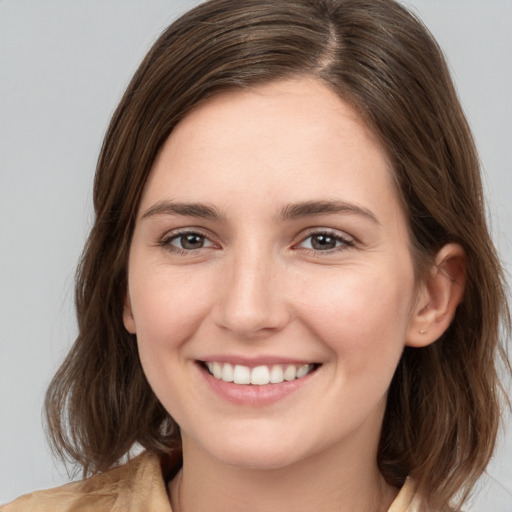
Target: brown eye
323	242
188	241
191	241
326	241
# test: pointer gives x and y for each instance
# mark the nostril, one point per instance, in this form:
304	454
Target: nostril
247	321
249	301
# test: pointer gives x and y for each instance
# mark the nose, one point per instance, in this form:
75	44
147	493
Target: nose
252	302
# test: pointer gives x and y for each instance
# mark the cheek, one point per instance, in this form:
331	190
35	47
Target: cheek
167	310
362	316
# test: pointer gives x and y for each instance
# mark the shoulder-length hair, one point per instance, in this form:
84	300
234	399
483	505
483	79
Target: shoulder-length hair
443	405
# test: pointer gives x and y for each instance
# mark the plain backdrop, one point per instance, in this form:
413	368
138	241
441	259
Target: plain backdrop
63	67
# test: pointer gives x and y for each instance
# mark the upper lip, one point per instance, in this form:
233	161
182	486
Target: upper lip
252	362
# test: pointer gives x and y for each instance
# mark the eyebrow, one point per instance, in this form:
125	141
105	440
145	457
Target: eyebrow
312	208
289	212
200	210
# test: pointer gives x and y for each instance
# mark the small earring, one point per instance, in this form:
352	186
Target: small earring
423	331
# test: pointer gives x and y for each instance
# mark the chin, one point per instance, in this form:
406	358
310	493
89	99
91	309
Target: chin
250	450
263	458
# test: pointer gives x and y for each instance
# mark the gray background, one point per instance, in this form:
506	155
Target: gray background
63	67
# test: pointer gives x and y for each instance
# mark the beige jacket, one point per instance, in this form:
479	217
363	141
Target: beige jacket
137	486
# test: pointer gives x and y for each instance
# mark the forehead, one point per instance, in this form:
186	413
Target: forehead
301	107
288	140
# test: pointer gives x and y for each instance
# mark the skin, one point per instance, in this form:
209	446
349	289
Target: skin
257	284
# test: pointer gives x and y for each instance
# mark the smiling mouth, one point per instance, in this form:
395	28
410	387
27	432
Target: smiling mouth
259	375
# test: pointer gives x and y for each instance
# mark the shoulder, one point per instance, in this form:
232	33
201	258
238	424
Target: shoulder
137	486
405	498
408	500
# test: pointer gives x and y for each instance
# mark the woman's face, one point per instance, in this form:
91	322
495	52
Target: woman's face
270	247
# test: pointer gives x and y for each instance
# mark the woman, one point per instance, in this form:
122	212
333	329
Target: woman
289	296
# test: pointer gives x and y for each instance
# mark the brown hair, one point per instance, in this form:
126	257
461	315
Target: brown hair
443	407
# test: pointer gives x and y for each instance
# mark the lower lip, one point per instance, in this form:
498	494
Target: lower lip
253	395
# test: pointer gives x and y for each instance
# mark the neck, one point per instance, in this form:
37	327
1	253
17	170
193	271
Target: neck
324	483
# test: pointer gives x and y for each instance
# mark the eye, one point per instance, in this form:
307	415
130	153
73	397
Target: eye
325	241
186	241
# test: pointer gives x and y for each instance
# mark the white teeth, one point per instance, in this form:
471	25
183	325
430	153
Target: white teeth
242	374
217	370
276	374
302	371
259	375
290	373
227	373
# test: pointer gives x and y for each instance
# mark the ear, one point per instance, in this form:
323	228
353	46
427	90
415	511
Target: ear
128	320
438	297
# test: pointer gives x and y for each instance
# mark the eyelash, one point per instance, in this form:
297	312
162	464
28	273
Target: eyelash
167	240
341	242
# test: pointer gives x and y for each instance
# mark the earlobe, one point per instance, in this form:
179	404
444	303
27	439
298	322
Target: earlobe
439	297
128	320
